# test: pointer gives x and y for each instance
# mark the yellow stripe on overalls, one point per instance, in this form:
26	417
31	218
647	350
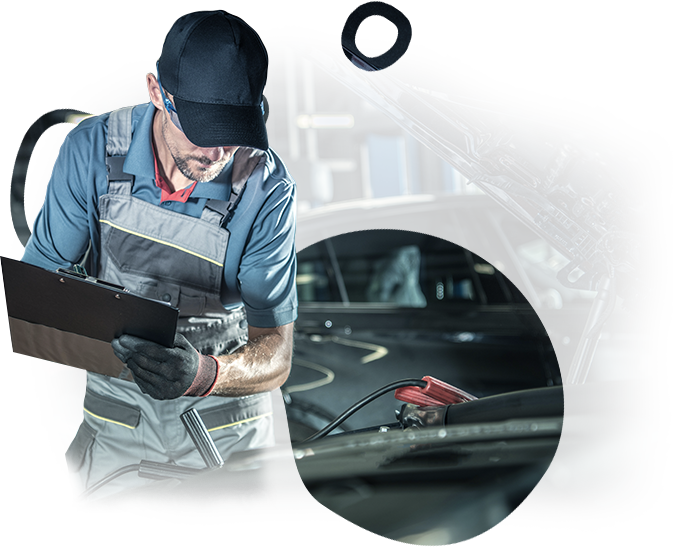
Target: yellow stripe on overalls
163	243
211	429
108	420
241	422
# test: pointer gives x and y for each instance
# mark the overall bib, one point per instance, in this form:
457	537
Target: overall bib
179	259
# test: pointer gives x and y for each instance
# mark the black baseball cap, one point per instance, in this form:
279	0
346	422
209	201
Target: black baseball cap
215	66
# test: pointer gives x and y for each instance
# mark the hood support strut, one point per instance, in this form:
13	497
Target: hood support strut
600	312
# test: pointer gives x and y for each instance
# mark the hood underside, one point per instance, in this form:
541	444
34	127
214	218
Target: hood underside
561	112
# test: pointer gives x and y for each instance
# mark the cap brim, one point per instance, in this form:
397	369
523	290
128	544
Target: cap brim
211	125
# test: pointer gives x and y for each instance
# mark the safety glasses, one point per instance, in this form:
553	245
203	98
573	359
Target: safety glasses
172	113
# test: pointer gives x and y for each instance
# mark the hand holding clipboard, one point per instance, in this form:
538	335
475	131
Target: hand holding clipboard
70	318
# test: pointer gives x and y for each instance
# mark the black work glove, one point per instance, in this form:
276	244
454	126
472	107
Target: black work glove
167	373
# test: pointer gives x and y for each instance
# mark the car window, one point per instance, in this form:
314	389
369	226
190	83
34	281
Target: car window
398	268
391	276
315	276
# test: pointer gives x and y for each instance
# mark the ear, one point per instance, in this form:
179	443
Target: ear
154	91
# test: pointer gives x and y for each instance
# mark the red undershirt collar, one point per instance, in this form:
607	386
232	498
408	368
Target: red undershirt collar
166	195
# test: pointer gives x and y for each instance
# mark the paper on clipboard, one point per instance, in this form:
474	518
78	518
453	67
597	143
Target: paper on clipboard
71	319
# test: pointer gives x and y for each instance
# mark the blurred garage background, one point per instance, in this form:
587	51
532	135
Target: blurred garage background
338	148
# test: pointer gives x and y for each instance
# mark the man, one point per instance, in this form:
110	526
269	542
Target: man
182	200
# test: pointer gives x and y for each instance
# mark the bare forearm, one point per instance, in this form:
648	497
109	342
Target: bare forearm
263	364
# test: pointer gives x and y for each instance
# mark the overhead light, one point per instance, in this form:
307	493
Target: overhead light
73	120
325	121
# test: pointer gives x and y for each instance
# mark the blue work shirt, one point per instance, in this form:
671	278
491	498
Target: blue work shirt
260	261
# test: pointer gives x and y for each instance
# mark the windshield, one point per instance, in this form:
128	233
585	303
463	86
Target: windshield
404	270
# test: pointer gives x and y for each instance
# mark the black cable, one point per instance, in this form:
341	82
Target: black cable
357	406
111	477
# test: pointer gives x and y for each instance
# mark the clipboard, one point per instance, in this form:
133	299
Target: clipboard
71	318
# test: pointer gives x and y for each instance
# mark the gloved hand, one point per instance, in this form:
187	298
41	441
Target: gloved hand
167	373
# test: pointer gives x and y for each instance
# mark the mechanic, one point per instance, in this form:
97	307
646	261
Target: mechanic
200	214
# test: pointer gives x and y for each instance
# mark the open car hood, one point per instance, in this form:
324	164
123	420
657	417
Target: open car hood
560	112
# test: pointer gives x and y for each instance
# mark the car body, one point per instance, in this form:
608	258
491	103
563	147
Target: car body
562	114
450	286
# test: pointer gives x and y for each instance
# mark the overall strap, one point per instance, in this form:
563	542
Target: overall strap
245	162
119	135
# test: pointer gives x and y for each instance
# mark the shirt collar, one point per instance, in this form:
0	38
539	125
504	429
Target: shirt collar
181	195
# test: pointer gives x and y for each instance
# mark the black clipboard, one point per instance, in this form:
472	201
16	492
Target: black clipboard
70	318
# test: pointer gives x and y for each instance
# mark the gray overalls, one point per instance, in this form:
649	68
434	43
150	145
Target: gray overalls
178	259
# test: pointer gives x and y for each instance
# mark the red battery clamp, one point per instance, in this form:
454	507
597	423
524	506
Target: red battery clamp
435	393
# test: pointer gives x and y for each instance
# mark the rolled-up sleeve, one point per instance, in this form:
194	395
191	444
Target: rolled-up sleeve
267	275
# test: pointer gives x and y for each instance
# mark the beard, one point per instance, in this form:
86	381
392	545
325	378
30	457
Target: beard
197	168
